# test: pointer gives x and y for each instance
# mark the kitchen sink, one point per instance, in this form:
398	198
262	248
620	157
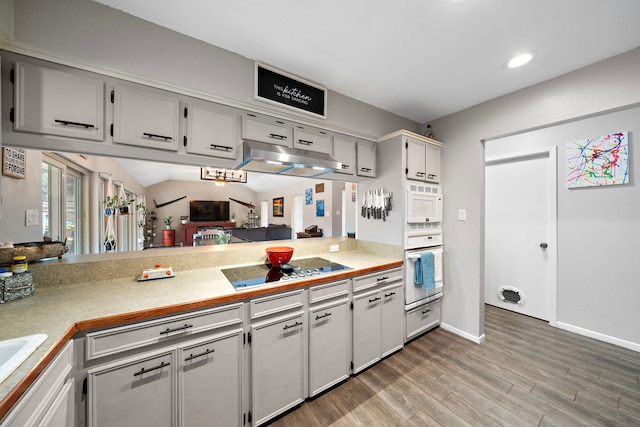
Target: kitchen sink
14	351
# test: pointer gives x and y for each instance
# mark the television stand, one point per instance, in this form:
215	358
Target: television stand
191	228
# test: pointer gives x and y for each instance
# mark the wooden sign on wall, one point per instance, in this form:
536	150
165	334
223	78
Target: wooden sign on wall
14	162
286	90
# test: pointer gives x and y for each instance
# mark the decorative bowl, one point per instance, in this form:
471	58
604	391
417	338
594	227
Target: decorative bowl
279	255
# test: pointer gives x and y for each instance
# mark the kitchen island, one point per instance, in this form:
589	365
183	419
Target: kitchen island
83	293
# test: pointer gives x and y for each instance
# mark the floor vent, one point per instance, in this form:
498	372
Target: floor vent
511	295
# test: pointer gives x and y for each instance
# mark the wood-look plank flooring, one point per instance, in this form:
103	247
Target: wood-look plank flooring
525	373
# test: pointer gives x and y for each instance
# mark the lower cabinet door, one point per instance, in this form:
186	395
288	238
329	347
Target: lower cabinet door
60	413
366	329
277	362
391	315
329	342
136	392
209	381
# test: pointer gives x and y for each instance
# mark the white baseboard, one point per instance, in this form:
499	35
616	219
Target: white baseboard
598	336
462	333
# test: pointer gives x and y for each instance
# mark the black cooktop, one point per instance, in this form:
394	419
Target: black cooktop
260	274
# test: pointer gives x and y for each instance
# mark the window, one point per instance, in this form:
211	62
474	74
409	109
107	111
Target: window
62	202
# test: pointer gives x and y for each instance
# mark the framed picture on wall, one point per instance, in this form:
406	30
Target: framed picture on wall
319	207
278	206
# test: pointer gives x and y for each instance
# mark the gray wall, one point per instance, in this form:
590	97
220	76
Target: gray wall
99	38
603	86
598	230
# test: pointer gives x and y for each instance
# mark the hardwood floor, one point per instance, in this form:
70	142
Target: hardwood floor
526	373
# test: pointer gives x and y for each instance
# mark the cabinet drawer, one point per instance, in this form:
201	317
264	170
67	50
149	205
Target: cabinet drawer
117	340
31	408
381	278
422	318
327	291
266	129
312	139
266	306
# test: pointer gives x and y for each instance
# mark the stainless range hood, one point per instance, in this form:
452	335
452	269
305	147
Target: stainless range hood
271	158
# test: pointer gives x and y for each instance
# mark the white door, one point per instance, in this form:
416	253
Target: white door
297	219
520	249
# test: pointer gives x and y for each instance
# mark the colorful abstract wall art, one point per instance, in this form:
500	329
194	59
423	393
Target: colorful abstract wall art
603	160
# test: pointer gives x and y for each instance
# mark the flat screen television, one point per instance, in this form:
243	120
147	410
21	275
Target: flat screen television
208	210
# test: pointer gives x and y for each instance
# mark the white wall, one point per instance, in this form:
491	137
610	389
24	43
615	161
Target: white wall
607	85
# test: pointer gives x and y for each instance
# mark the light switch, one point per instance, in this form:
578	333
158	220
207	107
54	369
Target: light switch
462	214
31	217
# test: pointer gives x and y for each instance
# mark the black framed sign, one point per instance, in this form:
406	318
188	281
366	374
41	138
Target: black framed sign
286	90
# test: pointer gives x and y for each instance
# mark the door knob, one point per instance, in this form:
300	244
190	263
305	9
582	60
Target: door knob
543	245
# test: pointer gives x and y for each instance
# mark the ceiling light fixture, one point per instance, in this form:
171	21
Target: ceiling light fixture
222	176
520	60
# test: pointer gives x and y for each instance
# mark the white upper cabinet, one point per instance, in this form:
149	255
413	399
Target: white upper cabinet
145	117
212	129
423	160
344	151
312	139
266	129
366	158
54	102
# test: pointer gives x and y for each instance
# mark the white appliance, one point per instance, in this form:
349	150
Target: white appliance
415	294
424	204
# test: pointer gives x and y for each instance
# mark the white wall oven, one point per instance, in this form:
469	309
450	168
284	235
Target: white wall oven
423	245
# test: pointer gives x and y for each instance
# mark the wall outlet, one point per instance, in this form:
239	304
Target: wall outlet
31	217
334	248
462	214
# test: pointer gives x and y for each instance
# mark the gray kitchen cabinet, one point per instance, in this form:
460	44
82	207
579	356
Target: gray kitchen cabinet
210	381
60	413
167	371
212	129
378	316
145	117
329	336
423	159
259	127
391	315
366	158
135	392
312	139
278	350
366	329
422	318
49	401
54	102
344	151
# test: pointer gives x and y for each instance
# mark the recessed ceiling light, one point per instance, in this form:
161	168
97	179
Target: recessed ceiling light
520	60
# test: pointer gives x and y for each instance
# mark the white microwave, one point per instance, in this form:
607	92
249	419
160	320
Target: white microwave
423	207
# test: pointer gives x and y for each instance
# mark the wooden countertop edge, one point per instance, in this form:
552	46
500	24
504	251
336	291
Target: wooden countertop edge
102	322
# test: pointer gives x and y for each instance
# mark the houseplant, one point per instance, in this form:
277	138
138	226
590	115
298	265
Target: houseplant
167	222
123	205
184	218
109	243
110	205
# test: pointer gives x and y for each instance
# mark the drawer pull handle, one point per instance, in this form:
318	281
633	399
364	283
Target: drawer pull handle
276	136
204	353
380	279
181	328
323	316
221	147
419	173
365	169
153	135
292	326
426	311
374	299
305	142
68	123
144	371
345	166
389	294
